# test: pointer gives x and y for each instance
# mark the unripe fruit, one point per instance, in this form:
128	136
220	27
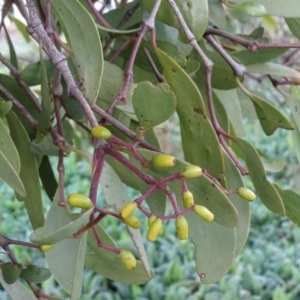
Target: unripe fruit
188	199
191	171
80	201
154	229
46	248
151	219
182	227
128	209
204	213
100	132
163	160
132	221
128	259
246	194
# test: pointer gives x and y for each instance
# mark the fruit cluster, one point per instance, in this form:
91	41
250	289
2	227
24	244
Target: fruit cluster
155	223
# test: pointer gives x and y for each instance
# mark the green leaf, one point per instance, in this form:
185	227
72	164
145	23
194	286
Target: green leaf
296	137
231	103
265	190
294	24
35	274
291	201
10	176
31	73
47	177
12	52
13	87
216	13
58	225
5	107
66	263
194	124
275	166
293	101
215	248
269	117
10	272
222	75
112	83
153	104
273	69
45	114
278	7
83	37
29	172
21	26
16	290
194	12
114	269
247	57
234	180
251	8
8	148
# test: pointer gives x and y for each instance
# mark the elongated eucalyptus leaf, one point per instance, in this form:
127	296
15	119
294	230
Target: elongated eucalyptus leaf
8	148
45	114
231	103
199	141
278	7
273	69
195	13
114	269
66	262
12	52
293	24
291	201
234	180
16	290
153	104
216	13
116	196
214	248
83	37
10	176
29	172
47	177
12	86
264	55
264	189
251	8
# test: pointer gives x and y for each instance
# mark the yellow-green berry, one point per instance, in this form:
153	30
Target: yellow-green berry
163	160
182	227
80	201
246	194
128	259
100	132
188	199
204	213
128	209
132	221
191	171
154	229
46	248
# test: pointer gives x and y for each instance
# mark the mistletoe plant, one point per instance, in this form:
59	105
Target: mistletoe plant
109	80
